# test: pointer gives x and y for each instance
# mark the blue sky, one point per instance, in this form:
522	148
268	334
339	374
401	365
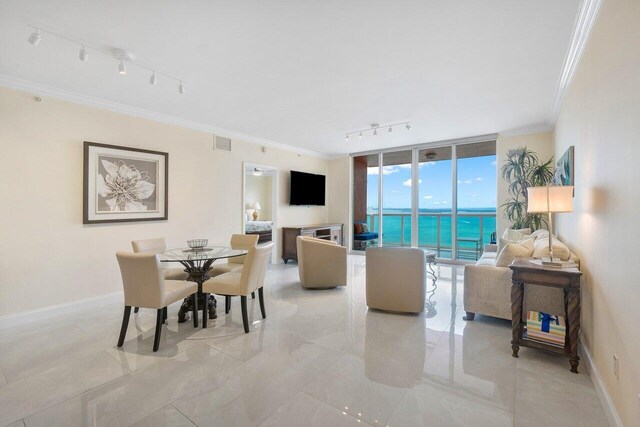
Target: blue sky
476	184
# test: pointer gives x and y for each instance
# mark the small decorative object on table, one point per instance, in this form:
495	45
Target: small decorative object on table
197	244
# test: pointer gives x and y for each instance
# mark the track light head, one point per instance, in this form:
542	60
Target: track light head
390	129
360	135
347	138
34	38
84	54
122	68
408	126
375	132
153	80
181	88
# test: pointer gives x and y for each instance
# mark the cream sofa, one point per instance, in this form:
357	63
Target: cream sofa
487	287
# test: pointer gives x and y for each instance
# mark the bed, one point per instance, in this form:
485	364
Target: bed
262	228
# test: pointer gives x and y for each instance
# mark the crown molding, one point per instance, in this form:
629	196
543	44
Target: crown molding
581	31
65	95
528	130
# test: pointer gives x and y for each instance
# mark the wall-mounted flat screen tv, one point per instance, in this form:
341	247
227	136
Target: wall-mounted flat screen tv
307	189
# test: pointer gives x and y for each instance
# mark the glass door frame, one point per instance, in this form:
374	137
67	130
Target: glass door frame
415	197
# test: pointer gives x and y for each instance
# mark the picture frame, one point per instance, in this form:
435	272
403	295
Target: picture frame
564	173
124	184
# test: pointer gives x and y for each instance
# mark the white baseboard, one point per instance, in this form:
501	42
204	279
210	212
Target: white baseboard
603	394
26	317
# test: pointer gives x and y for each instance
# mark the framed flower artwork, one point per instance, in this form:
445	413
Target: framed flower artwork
124	184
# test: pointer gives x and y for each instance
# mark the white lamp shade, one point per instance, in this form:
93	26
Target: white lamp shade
256	206
553	198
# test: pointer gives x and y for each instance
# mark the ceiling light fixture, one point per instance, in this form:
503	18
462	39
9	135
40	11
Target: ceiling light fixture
125	58
374	129
84	54
35	37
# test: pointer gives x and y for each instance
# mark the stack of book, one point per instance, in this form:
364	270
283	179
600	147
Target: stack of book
545	328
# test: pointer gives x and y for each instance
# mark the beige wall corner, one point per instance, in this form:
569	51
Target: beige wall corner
600	118
541	143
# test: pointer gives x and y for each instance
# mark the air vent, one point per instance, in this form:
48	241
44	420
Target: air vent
222	143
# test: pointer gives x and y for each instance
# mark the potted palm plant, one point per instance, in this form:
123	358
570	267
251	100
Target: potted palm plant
523	169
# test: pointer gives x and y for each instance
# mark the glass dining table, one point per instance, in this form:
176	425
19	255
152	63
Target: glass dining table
196	263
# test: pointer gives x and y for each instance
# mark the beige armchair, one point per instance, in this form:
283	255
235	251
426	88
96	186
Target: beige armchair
396	279
238	241
145	286
321	263
242	283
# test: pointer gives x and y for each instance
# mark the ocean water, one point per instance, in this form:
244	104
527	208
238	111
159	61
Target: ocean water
398	231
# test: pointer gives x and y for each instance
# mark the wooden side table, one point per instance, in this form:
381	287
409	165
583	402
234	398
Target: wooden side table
568	279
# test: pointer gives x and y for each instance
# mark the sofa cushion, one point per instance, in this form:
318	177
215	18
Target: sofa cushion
512	250
365	236
489	255
560	250
491	262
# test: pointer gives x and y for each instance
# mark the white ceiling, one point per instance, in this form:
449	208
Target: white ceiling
303	72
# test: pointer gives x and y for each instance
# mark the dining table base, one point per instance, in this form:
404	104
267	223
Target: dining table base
198	272
187	307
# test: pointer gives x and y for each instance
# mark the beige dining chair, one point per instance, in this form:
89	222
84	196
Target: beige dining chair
321	263
242	283
145	286
238	241
157	245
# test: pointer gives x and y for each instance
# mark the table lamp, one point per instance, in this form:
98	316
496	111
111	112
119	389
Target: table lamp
256	207
550	199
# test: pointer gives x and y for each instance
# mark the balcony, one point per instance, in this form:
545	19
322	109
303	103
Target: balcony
434	231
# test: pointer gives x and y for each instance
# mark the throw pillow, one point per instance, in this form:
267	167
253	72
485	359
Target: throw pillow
357	228
513	236
539	234
513	250
560	250
365	228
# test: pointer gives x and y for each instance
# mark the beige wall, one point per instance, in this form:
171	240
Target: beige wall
600	116
48	257
339	192
541	143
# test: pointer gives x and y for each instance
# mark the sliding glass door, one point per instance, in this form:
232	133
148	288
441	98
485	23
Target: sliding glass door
435	200
476	198
440	198
396	198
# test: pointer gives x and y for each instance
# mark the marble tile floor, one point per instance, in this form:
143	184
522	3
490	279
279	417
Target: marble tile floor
321	358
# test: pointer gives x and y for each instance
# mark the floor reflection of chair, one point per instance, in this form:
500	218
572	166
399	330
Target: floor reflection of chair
394	359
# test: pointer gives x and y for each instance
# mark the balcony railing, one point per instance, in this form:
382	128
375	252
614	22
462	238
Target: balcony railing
434	231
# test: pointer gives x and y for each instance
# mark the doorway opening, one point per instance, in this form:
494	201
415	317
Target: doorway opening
260	202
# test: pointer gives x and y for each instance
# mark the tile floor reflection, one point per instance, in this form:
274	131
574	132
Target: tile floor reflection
320	358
